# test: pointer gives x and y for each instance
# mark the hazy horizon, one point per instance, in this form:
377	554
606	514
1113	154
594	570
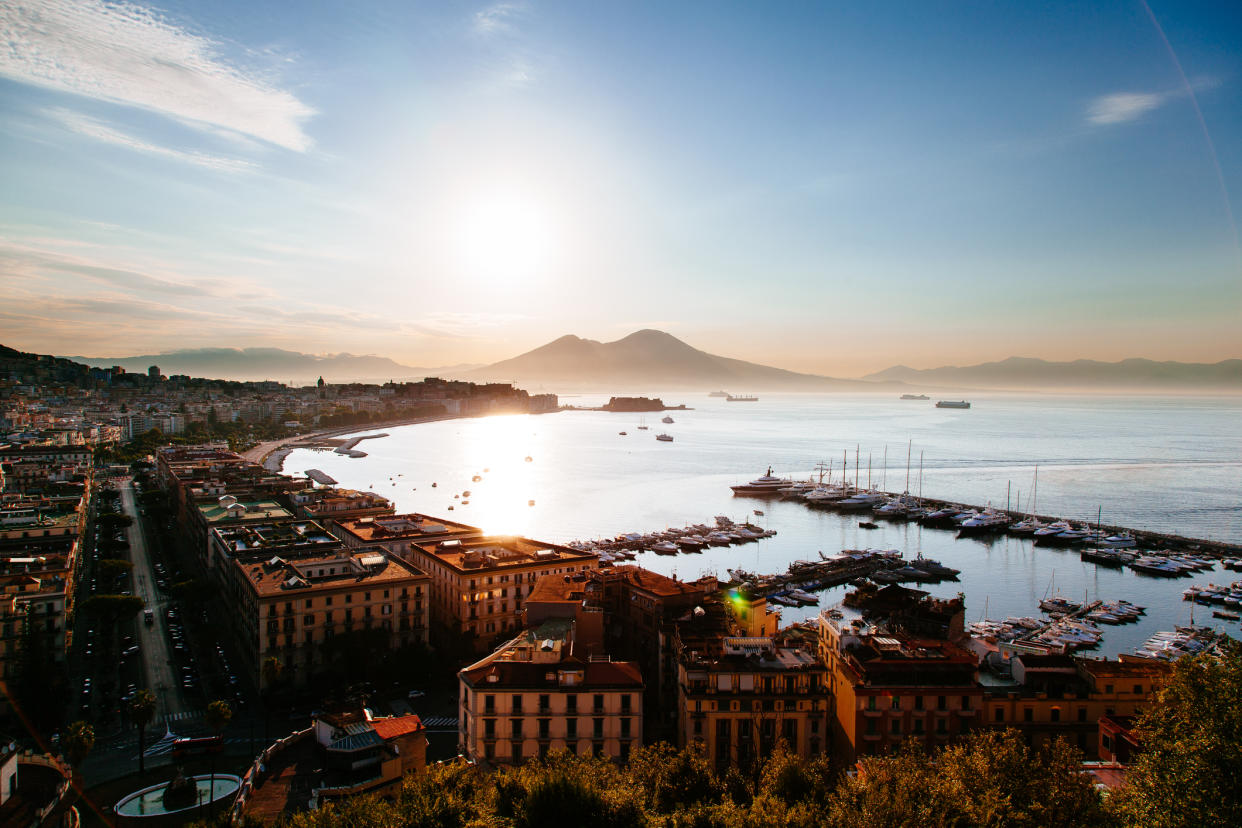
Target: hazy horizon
828	190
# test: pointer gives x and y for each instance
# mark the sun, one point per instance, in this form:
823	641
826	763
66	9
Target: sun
505	237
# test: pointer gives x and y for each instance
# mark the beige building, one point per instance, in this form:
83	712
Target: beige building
744	695
550	689
395	533
478	585
295	610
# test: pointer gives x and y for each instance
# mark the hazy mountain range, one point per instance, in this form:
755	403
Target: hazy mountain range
1081	374
650	359
257	364
647	359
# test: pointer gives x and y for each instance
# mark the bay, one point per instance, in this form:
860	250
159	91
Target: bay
1168	464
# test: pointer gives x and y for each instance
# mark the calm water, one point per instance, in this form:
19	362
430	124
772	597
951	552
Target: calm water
1166	464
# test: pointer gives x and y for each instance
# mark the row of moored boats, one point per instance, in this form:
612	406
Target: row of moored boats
693	538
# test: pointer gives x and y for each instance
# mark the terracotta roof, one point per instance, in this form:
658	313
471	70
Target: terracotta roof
397	726
655	583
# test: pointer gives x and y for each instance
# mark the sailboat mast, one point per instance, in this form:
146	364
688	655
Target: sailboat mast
856	465
920	478
909	446
884	474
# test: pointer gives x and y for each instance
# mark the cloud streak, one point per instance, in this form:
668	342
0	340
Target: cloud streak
1123	107
100	131
125	54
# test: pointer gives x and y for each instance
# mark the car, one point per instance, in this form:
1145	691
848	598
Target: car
415	694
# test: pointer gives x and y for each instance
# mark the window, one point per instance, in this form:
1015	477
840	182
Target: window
515	753
1082	714
489	704
1056	714
545	702
625	703
515	728
571	728
598	728
942	726
895	727
1108	688
871	702
489	728
599	702
625	728
516	703
918	702
918	727
571	703
965	702
895	703
544	728
870	727
308	619
1000	715
1138	688
1028	714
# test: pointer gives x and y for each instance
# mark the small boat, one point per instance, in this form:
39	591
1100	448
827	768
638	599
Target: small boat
952	404
667	419
433	485
915	397
759	512
465	503
866	524
1228	616
528	503
476	478
664	438
664	548
528	458
622	433
466	493
450	508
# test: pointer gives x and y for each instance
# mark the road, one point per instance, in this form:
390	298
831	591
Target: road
157	658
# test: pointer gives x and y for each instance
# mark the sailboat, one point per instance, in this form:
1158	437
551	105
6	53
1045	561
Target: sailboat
642	423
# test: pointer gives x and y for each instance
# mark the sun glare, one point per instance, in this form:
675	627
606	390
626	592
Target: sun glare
505	237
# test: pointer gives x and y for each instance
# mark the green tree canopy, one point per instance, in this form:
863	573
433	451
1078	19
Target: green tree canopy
1190	770
78	741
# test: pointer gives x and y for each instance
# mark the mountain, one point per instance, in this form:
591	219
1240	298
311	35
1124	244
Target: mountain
645	359
1081	374
252	364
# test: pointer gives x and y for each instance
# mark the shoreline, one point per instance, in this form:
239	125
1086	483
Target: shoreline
271	455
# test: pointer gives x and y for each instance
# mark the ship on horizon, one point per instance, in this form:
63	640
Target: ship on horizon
740	398
952	404
915	397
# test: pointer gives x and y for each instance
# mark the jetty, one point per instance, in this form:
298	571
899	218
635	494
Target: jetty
347	447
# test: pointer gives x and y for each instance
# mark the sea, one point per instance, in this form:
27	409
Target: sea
1166	464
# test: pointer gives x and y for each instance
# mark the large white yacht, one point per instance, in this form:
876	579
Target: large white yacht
768	484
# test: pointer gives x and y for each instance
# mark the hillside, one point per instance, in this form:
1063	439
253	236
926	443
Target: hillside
1082	374
647	359
254	364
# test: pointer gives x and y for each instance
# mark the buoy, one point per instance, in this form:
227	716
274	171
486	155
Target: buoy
528	458
433	485
530	503
450	508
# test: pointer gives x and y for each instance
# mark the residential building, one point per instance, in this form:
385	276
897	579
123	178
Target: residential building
395	533
550	688
303	610
890	687
478	584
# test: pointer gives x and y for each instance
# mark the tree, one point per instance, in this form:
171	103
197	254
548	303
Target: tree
990	778
78	740
142	711
218	716
1187	773
110	609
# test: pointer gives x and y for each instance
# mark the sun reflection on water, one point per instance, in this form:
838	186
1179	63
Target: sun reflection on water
495	449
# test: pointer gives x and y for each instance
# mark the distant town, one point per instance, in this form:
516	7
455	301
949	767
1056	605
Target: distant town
170	601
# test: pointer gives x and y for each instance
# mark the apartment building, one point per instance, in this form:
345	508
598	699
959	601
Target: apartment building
550	688
478	584
741	696
395	533
296	609
890	687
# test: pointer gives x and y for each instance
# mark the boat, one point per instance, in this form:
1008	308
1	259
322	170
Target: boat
982	523
759	512
1228	616
528	503
718	394
527	460
1122	540
476	478
915	397
768	484
622	433
642	424
866	524
861	502
1107	557
664	548
740	398
667	420
952	404
664	438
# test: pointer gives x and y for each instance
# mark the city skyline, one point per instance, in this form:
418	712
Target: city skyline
830	190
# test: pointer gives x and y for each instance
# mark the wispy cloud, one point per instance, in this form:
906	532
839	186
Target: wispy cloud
126	54
1121	107
100	131
498	18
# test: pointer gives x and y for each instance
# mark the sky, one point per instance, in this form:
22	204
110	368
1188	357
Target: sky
826	187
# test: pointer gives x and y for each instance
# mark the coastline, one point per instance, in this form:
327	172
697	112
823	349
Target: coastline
271	455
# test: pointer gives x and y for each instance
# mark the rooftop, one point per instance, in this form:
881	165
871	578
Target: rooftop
415	527
500	553
224	510
277	576
251	540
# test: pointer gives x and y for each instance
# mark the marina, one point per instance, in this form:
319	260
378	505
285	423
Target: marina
589	483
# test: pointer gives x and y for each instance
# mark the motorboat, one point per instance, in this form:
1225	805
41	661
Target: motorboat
664	438
983	523
768	484
861	501
664	548
667	420
1122	540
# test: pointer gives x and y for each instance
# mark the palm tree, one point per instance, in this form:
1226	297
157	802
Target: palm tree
78	741
142	711
218	716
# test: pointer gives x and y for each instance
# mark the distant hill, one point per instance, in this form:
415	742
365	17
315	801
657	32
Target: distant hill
1081	374
646	359
255	364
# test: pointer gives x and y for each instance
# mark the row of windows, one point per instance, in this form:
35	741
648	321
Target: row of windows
920	702
516	702
543	728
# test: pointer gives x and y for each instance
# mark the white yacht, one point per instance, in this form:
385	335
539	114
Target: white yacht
768	484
